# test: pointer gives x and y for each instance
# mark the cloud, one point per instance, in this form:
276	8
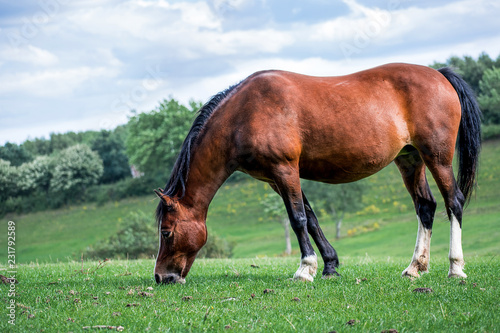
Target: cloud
29	54
91	59
50	83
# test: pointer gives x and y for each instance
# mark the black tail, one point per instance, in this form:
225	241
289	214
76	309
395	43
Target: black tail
469	134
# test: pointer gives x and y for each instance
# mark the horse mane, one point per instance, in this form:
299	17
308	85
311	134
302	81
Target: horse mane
178	178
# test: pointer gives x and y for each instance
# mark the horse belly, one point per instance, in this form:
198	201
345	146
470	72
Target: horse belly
342	156
342	169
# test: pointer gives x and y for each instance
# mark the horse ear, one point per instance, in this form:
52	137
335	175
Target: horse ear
159	194
167	201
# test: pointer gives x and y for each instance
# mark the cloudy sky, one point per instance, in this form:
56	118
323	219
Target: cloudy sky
84	64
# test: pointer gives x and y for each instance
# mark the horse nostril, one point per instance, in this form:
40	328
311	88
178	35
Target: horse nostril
166	279
169	279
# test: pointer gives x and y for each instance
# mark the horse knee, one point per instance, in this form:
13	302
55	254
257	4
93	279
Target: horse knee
298	222
312	226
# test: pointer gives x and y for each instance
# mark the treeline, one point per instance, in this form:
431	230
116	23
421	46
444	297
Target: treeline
67	168
95	166
483	75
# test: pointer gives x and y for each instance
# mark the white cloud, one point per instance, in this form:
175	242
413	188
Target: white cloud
98	52
28	54
50	83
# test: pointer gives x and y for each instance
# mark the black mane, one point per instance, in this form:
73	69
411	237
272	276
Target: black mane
176	185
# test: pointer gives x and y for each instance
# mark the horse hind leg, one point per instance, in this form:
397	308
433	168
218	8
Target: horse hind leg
454	202
412	169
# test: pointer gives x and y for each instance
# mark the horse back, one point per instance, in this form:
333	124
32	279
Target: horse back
340	129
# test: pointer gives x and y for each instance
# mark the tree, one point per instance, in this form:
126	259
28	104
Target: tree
336	200
275	209
37	147
155	137
15	154
62	141
112	152
490	96
471	70
75	168
34	176
8	176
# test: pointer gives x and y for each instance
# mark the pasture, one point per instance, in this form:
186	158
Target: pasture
55	294
256	295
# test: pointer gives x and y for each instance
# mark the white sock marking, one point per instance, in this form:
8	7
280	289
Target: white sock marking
421	255
456	254
307	269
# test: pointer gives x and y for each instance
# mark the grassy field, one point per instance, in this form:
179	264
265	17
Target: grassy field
254	295
55	294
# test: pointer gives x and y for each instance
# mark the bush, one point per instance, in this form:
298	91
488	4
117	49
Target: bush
138	238
216	247
8	177
75	168
34	176
125	188
135	238
490	132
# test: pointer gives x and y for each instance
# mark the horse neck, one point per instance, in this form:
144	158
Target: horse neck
207	172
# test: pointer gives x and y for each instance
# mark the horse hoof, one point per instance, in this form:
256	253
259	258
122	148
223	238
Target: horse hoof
307	269
456	268
329	272
330	276
457	274
305	277
410	272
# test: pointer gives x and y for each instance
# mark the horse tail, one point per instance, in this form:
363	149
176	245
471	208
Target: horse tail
469	134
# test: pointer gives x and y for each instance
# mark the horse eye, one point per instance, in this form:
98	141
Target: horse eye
166	234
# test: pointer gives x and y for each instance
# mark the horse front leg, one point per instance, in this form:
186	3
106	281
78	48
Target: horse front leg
287	182
328	253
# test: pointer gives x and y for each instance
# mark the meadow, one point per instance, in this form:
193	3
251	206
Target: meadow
253	291
255	295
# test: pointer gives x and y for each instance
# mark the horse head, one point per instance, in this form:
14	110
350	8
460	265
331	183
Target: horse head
181	236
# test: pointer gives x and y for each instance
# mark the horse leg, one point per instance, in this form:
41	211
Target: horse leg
439	163
454	201
327	251
412	169
287	182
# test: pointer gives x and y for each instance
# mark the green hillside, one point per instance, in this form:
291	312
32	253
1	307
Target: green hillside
237	215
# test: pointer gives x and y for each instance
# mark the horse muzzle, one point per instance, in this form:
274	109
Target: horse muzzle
169	279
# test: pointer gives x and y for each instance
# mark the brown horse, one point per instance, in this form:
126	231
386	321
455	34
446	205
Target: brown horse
279	127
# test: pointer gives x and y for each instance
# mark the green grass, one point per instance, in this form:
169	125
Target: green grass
228	295
221	290
64	233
